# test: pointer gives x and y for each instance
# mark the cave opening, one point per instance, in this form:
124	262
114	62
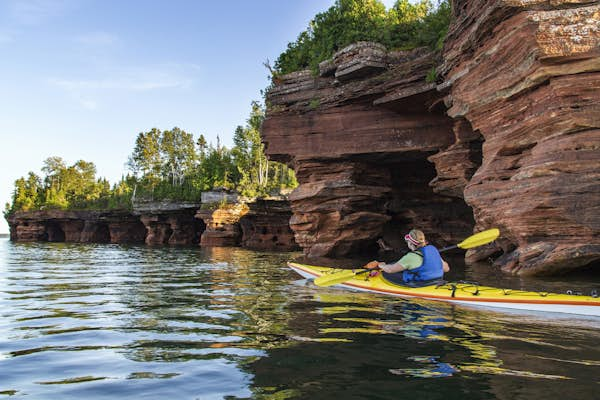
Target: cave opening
168	235
413	203
54	232
102	233
199	226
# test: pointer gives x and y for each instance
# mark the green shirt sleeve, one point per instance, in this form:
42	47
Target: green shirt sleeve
411	260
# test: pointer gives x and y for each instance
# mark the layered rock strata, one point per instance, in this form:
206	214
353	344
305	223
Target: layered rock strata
260	225
358	137
76	226
222	224
266	226
169	222
511	127
526	76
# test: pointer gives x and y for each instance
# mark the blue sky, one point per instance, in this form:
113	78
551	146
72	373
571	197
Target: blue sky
79	79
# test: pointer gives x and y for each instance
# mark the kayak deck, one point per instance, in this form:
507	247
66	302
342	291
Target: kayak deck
465	293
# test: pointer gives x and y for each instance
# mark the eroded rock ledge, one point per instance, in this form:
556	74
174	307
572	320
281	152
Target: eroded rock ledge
260	225
359	136
536	67
508	136
76	226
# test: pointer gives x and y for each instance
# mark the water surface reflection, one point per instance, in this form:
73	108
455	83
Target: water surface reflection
106	321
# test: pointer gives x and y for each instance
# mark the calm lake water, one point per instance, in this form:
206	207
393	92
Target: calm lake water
116	322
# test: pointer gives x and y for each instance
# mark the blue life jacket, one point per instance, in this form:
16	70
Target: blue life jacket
430	269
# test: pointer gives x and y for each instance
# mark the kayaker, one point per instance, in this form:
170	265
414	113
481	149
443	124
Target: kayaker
422	264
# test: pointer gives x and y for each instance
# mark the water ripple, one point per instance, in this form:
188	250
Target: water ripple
108	321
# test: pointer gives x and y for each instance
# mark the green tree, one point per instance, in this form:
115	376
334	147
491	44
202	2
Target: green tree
82	185
146	158
217	168
26	193
54	168
178	154
404	26
248	153
434	27
201	142
257	175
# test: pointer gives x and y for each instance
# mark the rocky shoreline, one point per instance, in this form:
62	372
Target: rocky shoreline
262	226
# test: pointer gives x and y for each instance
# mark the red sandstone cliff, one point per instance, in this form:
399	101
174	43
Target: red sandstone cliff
260	225
526	76
170	222
76	226
359	137
222	224
509	137
266	226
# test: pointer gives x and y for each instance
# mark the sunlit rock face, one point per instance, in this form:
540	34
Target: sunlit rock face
507	136
260	225
359	136
526	76
77	226
222	224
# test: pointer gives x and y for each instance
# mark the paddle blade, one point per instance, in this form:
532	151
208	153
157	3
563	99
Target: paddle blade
479	239
335	278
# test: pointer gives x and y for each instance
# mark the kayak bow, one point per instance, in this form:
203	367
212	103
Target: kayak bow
464	293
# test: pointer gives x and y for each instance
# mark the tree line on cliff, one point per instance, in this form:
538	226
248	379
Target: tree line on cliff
404	26
166	164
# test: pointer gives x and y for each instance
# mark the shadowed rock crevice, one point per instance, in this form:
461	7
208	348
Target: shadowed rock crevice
174	229
415	204
456	164
169	222
343	208
95	232
54	232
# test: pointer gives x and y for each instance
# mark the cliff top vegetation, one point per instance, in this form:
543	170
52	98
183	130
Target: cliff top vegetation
404	26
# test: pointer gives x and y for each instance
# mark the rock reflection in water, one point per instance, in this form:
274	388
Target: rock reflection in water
100	321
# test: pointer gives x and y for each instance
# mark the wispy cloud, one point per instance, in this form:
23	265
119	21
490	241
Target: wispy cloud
128	84
163	77
97	39
32	12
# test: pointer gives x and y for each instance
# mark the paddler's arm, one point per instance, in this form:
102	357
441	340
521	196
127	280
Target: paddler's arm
445	266
396	267
391	268
409	261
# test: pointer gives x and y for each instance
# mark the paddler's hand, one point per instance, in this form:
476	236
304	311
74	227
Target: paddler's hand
372	265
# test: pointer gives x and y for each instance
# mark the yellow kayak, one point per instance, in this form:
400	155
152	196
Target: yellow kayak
463	293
